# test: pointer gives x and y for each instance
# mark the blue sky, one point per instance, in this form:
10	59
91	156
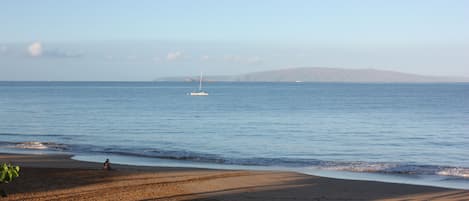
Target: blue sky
143	40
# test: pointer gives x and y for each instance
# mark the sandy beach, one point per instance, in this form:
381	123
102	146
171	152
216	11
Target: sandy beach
57	177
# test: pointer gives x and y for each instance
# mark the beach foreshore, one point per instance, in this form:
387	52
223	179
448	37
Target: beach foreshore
58	177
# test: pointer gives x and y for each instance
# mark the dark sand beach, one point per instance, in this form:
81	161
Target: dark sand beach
57	177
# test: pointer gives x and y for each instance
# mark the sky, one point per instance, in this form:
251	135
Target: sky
142	40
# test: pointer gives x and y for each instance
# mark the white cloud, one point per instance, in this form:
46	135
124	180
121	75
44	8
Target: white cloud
174	56
35	49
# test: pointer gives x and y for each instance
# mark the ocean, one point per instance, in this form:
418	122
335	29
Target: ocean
405	133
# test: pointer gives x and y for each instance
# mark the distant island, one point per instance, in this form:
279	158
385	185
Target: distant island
321	74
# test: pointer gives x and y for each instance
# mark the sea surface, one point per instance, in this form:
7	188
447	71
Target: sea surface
406	133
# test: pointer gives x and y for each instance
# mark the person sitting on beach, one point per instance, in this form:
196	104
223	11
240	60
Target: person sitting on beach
107	165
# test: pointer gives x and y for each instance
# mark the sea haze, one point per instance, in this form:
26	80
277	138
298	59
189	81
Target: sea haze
395	129
321	74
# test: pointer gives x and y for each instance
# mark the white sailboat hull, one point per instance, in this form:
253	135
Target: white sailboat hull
202	93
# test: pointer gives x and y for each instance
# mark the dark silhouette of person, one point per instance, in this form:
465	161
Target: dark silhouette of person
107	164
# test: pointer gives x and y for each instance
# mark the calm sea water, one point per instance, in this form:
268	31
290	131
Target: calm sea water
402	129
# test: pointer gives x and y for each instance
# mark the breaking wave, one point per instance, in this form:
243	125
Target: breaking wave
34	145
190	156
398	168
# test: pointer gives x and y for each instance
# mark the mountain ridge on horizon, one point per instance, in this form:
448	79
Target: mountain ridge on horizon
323	74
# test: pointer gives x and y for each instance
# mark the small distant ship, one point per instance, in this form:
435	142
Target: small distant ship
200	92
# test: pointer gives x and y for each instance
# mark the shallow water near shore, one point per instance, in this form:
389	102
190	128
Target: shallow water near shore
427	180
416	131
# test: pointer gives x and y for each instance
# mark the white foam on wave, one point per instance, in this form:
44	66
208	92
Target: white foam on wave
457	172
361	167
40	146
395	168
31	145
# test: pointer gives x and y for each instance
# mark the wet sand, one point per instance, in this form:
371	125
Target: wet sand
57	177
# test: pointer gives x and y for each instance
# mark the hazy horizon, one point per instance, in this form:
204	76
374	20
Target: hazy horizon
141	41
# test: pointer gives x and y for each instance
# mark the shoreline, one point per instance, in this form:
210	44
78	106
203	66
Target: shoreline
46	177
413	179
443	181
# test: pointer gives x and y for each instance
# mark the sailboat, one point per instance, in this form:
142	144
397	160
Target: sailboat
200	92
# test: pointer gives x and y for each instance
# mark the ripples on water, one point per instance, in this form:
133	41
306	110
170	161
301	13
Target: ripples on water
391	128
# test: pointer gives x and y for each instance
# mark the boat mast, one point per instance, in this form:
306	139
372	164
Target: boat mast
200	82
